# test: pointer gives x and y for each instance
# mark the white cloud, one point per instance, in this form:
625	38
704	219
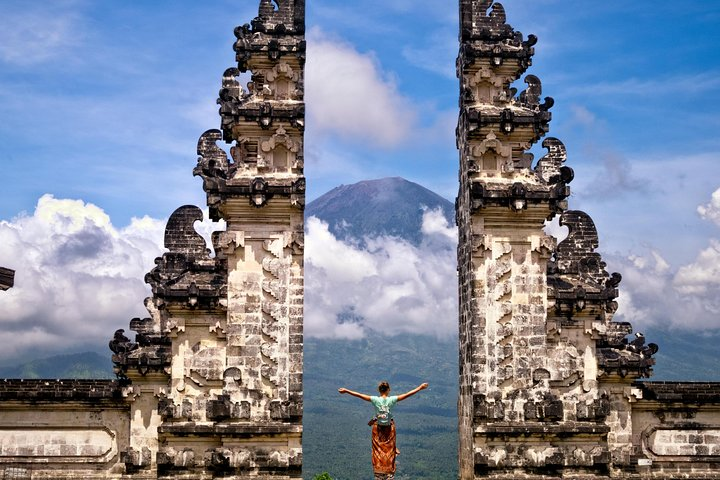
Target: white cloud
339	260
702	277
435	223
391	286
646	294
78	278
348	94
711	211
653	293
583	115
33	33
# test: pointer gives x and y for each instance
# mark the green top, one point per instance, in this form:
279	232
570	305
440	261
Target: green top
383	405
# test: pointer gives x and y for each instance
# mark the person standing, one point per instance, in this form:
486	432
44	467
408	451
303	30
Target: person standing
384	448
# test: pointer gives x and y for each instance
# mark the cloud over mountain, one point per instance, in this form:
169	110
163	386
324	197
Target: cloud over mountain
79	277
391	286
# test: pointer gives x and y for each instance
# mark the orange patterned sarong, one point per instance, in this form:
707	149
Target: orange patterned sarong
383	448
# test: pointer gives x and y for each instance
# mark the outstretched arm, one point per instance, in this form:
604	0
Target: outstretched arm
412	392
354	394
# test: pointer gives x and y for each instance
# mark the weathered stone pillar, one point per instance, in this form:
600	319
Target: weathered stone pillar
546	376
215	375
260	193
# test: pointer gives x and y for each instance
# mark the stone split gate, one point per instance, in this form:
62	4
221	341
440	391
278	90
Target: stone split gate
211	384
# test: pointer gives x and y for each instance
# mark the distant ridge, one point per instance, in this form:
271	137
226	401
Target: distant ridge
388	206
87	365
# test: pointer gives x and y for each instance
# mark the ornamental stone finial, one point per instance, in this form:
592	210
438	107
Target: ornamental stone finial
7	278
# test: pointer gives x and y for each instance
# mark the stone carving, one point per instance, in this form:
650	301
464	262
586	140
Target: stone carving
169	457
7	278
186	275
280	153
525	366
212	161
550	168
121	344
135	460
234	321
187	271
530	97
231	90
577	274
482	19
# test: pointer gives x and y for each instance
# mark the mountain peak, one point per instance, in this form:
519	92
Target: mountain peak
390	206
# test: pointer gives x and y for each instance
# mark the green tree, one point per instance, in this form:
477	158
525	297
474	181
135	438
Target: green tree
323	476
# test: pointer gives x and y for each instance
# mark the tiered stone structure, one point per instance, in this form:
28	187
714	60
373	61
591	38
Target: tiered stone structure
548	381
217	373
211	386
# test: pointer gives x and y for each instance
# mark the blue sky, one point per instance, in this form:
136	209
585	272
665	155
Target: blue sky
102	103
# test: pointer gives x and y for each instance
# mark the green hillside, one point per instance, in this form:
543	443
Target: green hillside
685	356
87	365
337	437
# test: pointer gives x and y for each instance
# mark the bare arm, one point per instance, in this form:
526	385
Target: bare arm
412	392
361	396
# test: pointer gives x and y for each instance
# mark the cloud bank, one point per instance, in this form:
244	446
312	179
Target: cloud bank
653	293
78	278
391	287
348	94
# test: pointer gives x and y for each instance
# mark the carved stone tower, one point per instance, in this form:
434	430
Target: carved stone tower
216	372
541	361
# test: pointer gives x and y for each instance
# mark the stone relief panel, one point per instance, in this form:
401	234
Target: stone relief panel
260	336
61	444
682	442
280	153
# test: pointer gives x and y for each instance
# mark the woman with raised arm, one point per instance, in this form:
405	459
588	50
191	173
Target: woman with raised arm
384	449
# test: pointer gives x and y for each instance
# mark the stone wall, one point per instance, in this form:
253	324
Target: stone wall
62	429
676	430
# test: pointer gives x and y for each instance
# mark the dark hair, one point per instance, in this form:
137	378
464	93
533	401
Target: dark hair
384	387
